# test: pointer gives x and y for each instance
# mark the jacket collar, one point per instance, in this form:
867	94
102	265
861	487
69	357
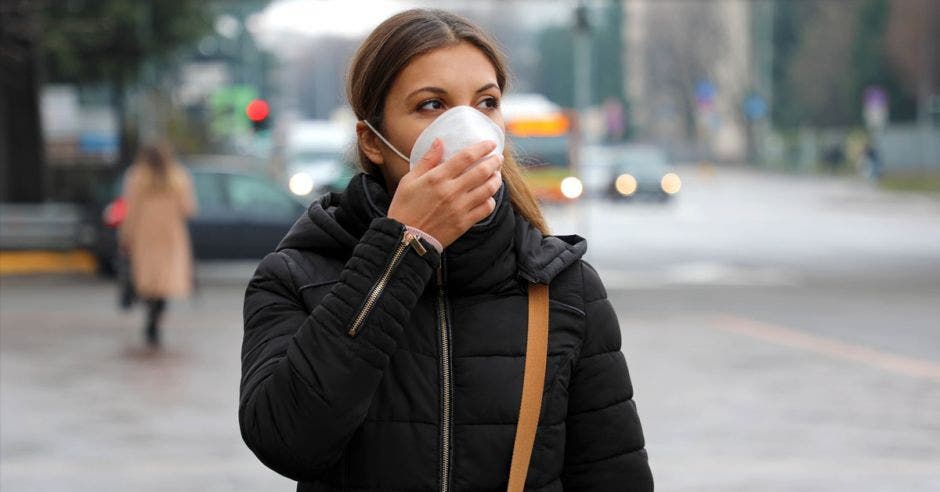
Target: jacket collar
493	255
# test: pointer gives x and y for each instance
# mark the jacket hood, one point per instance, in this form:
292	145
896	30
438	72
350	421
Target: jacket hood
502	247
317	229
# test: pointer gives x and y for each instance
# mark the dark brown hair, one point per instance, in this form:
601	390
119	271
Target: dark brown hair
392	46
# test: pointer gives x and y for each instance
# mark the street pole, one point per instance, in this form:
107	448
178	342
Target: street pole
582	99
23	176
148	114
762	14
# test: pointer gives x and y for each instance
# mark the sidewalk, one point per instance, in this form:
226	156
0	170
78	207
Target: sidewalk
86	407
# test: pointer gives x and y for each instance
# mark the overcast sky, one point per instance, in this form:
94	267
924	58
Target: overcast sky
285	19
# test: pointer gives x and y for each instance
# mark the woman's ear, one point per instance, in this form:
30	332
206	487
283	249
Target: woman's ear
369	143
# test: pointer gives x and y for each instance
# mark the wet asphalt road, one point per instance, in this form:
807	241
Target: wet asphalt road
782	334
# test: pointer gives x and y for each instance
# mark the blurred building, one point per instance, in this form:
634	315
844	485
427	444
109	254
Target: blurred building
688	69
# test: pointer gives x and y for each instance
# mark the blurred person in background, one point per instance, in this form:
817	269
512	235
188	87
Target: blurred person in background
385	339
160	198
871	162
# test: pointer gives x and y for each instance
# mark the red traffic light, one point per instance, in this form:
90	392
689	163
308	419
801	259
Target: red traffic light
257	110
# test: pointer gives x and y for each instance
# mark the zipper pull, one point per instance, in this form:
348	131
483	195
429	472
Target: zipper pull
410	239
440	277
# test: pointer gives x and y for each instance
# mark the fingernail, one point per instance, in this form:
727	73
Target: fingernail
436	144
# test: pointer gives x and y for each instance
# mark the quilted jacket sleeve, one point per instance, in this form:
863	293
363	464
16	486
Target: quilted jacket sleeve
604	448
306	384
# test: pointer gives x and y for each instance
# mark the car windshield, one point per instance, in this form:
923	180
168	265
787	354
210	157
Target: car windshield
642	161
209	193
316	155
253	196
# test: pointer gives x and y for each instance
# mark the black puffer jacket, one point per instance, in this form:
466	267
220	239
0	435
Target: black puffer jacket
420	389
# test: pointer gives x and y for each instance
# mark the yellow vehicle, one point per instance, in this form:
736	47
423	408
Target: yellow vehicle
540	135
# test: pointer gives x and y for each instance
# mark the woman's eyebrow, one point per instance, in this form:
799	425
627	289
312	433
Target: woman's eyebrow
440	91
436	90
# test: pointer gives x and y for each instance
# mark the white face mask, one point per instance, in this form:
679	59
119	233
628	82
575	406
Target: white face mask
458	128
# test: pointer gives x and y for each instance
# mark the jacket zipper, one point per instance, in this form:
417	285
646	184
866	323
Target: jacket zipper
407	239
446	383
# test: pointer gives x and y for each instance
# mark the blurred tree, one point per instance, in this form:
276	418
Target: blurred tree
555	72
820	72
827	53
912	41
607	57
788	19
872	63
686	42
110	41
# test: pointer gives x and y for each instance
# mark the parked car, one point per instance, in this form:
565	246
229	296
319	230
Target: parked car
241	216
642	171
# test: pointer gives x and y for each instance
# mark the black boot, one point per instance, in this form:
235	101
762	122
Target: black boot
154	312
153	335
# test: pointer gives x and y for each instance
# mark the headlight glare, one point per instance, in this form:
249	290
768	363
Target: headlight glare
571	187
671	183
300	184
626	184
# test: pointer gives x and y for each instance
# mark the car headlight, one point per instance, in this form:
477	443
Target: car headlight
626	184
671	183
571	187
300	184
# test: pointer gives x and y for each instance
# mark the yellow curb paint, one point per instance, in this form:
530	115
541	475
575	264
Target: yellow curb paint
887	361
33	262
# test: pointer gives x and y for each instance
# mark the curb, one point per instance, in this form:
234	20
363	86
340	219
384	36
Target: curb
40	262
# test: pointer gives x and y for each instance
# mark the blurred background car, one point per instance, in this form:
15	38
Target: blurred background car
596	170
241	216
319	156
642	172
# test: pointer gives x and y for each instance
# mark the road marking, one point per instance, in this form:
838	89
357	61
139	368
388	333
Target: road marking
887	361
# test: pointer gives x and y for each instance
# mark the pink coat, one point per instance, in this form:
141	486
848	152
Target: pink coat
155	231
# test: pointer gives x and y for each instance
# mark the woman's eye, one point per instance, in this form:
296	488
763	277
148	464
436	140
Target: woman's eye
489	103
432	105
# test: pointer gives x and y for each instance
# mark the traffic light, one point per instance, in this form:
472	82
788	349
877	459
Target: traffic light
258	113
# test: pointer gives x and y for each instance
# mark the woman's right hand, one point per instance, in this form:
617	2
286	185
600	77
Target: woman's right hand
446	199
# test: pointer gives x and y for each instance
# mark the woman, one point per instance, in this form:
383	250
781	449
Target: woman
372	361
160	199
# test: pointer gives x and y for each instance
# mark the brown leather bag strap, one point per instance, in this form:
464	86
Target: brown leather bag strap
533	382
